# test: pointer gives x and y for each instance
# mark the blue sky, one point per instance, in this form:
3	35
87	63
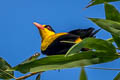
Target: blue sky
20	38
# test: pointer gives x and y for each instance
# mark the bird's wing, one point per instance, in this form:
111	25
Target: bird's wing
84	33
59	47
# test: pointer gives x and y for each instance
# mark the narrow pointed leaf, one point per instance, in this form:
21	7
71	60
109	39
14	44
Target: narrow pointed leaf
83	75
103	68
111	12
92	43
96	2
117	40
62	62
111	26
117	77
38	77
4	66
110	40
74	49
32	58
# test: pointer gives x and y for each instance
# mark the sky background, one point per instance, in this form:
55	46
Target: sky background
19	38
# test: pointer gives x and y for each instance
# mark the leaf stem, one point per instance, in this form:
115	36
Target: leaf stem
103	68
29	75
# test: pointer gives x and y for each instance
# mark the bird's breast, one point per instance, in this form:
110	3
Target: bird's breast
49	39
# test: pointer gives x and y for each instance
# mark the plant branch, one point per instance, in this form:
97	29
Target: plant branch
29	75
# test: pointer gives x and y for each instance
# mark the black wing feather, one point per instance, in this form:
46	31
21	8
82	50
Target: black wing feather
58	47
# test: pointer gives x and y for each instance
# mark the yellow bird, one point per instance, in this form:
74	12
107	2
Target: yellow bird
53	43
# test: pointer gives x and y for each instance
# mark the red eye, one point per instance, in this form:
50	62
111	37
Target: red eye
48	28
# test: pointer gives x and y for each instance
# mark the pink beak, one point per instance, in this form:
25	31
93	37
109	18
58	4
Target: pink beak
39	26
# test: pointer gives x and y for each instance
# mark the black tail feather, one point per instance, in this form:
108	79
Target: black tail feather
84	33
92	34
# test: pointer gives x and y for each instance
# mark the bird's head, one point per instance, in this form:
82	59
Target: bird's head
45	30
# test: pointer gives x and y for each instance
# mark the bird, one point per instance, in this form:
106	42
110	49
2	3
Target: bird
53	43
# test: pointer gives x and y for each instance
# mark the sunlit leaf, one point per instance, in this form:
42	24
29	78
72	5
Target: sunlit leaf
111	26
92	43
117	77
110	40
96	2
62	62
111	12
83	75
4	66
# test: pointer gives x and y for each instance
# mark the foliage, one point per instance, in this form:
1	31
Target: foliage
5	74
83	75
101	51
96	2
117	77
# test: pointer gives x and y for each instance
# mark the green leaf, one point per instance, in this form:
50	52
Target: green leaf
83	75
111	26
111	12
92	43
4	66
110	40
75	49
96	2
38	77
62	62
117	40
32	58
117	77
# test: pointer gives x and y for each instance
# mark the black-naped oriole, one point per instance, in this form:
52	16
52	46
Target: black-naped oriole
53	43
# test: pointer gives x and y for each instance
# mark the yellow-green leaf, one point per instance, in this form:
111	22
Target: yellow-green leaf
111	12
62	62
3	67
92	43
111	26
83	75
32	58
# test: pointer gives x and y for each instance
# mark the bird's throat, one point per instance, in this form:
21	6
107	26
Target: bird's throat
49	39
45	33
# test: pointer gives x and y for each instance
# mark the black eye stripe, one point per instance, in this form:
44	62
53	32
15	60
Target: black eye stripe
49	28
46	26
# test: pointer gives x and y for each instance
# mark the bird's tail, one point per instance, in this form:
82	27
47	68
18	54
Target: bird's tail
84	33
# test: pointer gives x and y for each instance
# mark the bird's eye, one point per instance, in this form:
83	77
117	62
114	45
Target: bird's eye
48	27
